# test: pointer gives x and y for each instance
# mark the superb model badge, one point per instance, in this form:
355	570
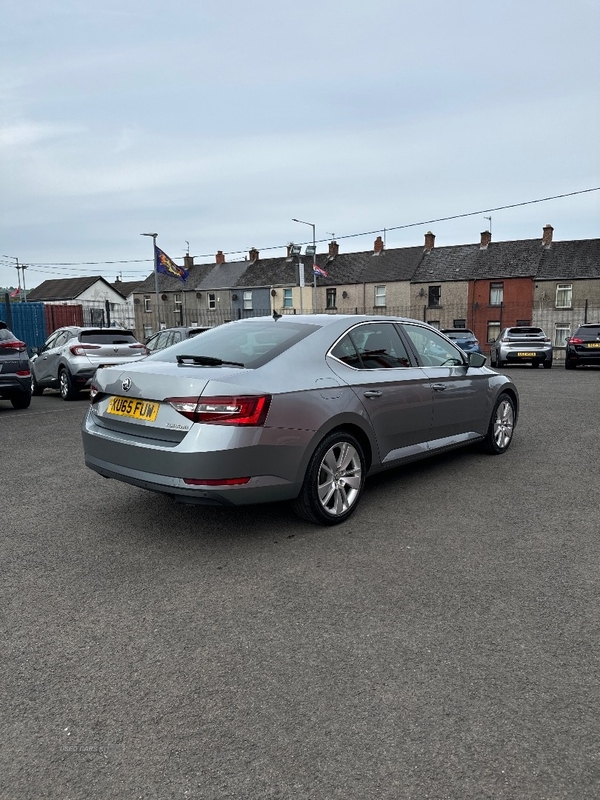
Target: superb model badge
126	384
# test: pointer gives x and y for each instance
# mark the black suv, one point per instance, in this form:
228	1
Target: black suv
15	374
584	346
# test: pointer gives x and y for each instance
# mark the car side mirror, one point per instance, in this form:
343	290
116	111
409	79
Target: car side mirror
477	360
35	351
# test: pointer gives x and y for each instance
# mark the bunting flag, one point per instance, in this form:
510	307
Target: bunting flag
318	271
168	267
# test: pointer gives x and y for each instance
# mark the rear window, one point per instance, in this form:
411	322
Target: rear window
107	337
249	343
592	331
464	335
6	335
525	331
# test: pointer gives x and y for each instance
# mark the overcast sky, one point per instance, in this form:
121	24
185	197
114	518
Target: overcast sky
215	123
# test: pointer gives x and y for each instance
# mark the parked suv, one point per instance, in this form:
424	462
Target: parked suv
169	336
71	356
464	338
15	375
522	345
584	346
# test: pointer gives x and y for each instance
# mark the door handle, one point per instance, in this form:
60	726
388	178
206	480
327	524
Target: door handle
373	393
439	387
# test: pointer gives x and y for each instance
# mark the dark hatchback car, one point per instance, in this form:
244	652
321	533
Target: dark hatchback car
583	347
15	374
169	336
464	338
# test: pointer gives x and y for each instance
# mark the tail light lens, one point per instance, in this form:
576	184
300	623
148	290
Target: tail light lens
240	411
141	347
14	344
79	349
575	340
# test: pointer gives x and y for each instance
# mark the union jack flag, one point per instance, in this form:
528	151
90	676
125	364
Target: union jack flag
319	271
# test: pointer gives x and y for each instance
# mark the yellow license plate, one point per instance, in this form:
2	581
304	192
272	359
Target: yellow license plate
526	355
133	407
593	344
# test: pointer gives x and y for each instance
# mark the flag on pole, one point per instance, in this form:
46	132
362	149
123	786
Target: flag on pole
16	292
167	266
318	271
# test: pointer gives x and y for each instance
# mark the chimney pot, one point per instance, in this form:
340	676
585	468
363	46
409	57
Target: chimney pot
486	238
220	257
547	235
429	241
378	246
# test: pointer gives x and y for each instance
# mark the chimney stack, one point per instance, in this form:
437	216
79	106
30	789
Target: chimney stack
378	246
429	241
188	262
220	257
334	249
486	238
547	236
253	254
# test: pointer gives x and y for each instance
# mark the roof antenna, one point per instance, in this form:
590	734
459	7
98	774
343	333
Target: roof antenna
276	316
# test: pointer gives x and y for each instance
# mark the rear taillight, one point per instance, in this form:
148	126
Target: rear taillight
141	347
23	373
575	340
241	411
14	344
93	392
79	349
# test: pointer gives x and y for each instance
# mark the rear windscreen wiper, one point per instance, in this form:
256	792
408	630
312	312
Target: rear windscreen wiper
207	361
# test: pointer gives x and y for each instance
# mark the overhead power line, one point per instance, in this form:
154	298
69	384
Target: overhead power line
385	229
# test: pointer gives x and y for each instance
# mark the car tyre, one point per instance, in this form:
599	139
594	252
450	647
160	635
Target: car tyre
36	389
570	364
324	498
68	390
21	400
502	426
493	362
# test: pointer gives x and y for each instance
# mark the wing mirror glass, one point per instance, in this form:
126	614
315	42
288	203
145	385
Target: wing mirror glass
477	360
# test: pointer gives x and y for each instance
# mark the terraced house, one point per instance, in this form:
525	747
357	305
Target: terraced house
485	286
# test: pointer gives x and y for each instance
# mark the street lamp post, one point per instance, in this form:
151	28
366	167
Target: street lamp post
154	235
314	248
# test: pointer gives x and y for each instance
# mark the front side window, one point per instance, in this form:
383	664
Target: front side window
212	301
562	331
496	294
287	298
331	298
379	299
564	295
434	295
248	301
493	330
432	349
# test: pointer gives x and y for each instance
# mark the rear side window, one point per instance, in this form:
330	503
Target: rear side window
249	343
107	336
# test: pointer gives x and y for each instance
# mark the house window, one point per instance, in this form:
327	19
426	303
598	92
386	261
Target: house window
523	323
148	331
248	301
212	301
493	330
434	296
379	296
435	323
459	323
562	331
331	301
287	298
496	294
564	295
147	303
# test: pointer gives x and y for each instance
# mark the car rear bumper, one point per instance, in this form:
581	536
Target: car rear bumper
517	357
12	385
274	470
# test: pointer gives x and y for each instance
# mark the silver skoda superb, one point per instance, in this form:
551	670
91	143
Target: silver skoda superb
300	408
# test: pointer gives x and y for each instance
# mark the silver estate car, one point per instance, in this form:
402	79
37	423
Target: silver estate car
71	356
298	408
